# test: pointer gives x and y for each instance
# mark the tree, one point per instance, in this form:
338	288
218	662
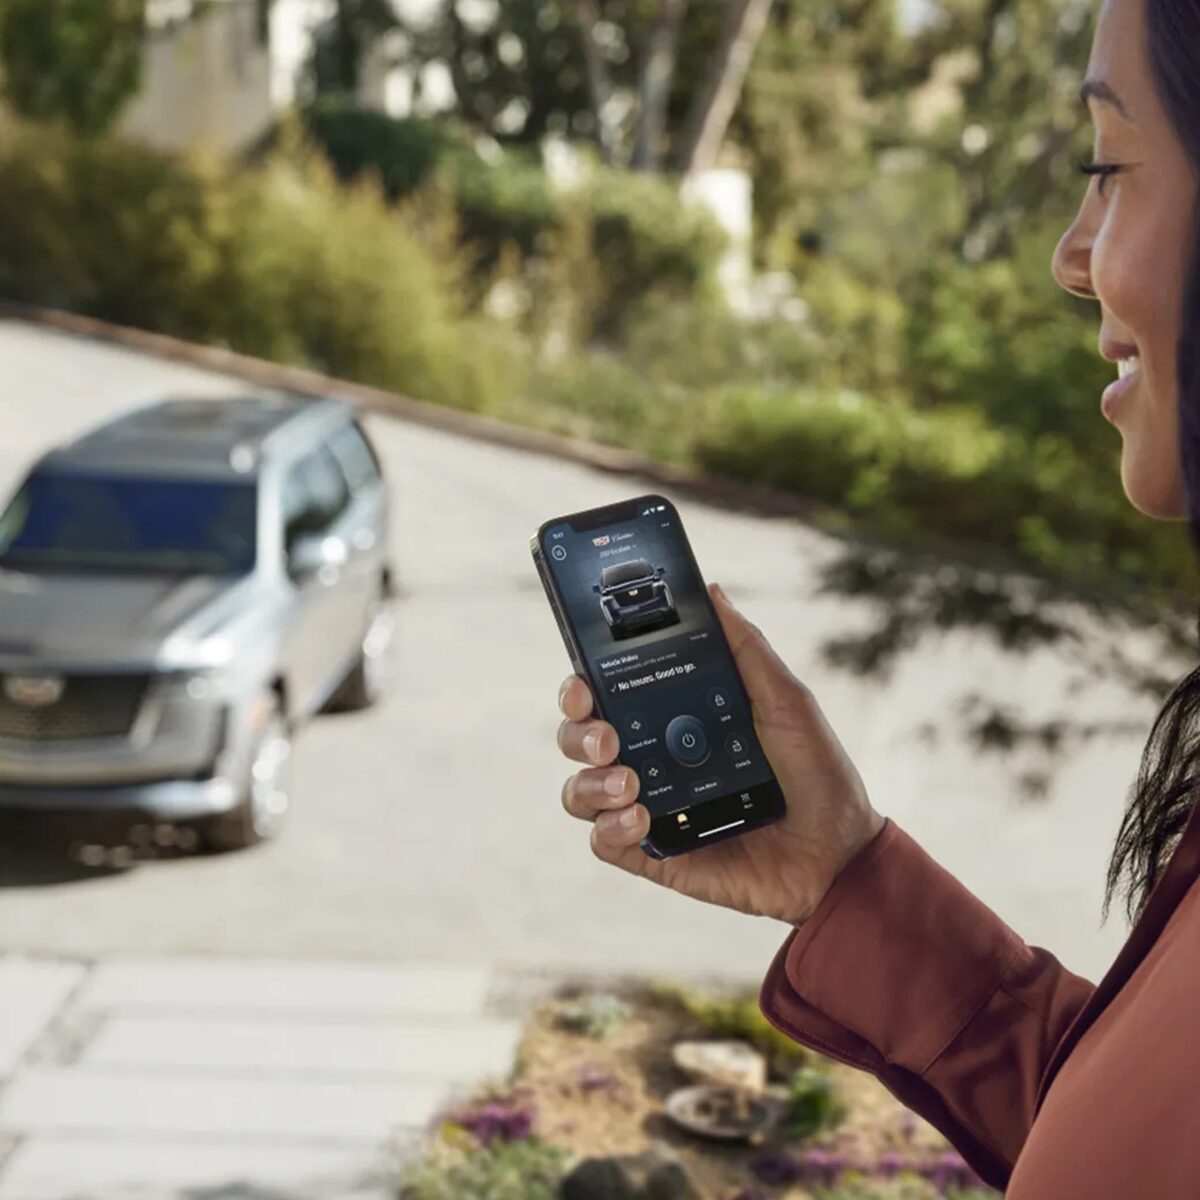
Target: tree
745	23
354	25
73	60
613	71
654	87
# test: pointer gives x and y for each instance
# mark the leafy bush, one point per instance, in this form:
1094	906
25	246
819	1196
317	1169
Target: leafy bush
945	472
813	1103
594	1015
403	153
1003	337
737	1017
456	1168
648	243
280	261
698	346
644	239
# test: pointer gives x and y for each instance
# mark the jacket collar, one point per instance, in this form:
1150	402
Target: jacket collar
1172	885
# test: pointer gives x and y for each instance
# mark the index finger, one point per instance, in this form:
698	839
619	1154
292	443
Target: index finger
575	698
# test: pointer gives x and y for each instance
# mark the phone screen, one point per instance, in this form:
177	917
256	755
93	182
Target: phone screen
657	657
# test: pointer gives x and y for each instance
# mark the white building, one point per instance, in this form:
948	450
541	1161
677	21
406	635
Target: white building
210	77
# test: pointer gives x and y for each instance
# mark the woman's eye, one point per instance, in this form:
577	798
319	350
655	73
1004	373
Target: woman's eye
1104	170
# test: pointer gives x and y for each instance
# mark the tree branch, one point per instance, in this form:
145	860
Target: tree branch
746	20
587	14
654	86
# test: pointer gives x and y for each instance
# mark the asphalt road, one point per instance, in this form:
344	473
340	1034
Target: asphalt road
431	827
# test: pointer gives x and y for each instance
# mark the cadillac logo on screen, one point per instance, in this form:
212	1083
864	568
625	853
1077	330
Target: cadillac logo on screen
34	691
603	540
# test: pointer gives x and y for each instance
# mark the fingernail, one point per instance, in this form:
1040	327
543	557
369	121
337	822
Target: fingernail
591	742
614	784
629	818
720	593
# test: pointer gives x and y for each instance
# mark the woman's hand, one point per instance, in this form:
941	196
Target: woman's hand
782	870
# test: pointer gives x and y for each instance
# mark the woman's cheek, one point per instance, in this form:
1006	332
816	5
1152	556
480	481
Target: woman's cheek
1119	271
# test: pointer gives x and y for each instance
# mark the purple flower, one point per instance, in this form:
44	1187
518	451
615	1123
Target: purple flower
947	1171
817	1166
822	1166
776	1166
507	1121
592	1077
889	1164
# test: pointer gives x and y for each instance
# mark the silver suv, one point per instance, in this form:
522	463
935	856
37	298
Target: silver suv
179	590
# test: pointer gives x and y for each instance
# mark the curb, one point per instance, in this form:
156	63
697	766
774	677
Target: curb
749	497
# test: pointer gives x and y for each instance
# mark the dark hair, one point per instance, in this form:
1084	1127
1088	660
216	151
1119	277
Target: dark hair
1169	775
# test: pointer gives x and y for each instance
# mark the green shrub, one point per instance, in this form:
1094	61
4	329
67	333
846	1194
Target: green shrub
858	325
644	240
279	261
456	1168
1004	337
945	472
403	153
699	346
736	1017
648	243
594	1015
813	1103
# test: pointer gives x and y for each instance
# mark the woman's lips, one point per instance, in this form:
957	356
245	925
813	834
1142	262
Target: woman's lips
1129	371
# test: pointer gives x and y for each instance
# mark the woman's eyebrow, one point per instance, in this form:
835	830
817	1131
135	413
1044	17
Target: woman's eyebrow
1100	90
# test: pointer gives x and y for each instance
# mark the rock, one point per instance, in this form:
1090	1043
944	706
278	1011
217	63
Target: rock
652	1175
730	1063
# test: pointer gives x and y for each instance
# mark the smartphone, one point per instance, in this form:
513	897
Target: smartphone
641	629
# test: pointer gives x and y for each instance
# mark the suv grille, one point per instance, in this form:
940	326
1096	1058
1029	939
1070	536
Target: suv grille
91	706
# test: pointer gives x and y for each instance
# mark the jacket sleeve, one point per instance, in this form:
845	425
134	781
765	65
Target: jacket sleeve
903	972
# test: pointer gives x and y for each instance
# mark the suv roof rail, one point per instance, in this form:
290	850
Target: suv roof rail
193	431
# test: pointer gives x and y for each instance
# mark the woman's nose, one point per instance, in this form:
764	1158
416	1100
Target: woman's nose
1072	263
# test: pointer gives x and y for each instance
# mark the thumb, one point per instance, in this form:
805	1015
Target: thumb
767	677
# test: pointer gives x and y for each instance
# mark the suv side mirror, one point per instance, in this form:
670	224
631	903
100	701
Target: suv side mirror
316	555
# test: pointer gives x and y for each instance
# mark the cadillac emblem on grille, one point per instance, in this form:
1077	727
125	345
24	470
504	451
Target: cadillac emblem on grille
34	691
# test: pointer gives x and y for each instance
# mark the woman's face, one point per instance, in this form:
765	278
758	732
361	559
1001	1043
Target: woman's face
1127	248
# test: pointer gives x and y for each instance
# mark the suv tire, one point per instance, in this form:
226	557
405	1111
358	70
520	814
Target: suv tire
366	681
266	798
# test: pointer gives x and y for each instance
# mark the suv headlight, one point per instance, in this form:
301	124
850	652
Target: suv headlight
200	686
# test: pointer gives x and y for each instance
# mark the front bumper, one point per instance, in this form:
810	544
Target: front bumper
167	801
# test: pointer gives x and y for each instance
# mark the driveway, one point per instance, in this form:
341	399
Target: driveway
431	830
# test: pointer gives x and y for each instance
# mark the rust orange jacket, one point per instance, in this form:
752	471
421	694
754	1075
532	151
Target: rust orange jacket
1050	1087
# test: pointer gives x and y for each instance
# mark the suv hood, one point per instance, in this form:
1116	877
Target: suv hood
95	617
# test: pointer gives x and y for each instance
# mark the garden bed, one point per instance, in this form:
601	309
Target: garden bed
591	1080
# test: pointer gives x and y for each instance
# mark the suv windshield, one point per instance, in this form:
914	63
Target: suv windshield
84	521
627	572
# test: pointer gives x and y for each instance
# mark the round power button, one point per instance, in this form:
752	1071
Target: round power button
687	741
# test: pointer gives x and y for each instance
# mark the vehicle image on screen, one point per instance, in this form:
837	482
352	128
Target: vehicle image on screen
180	590
634	598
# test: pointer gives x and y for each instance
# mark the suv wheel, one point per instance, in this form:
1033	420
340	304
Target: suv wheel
366	682
267	796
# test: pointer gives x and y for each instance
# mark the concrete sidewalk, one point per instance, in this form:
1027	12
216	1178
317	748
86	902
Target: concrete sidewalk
176	1079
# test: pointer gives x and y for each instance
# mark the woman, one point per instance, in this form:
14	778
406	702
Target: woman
1051	1088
